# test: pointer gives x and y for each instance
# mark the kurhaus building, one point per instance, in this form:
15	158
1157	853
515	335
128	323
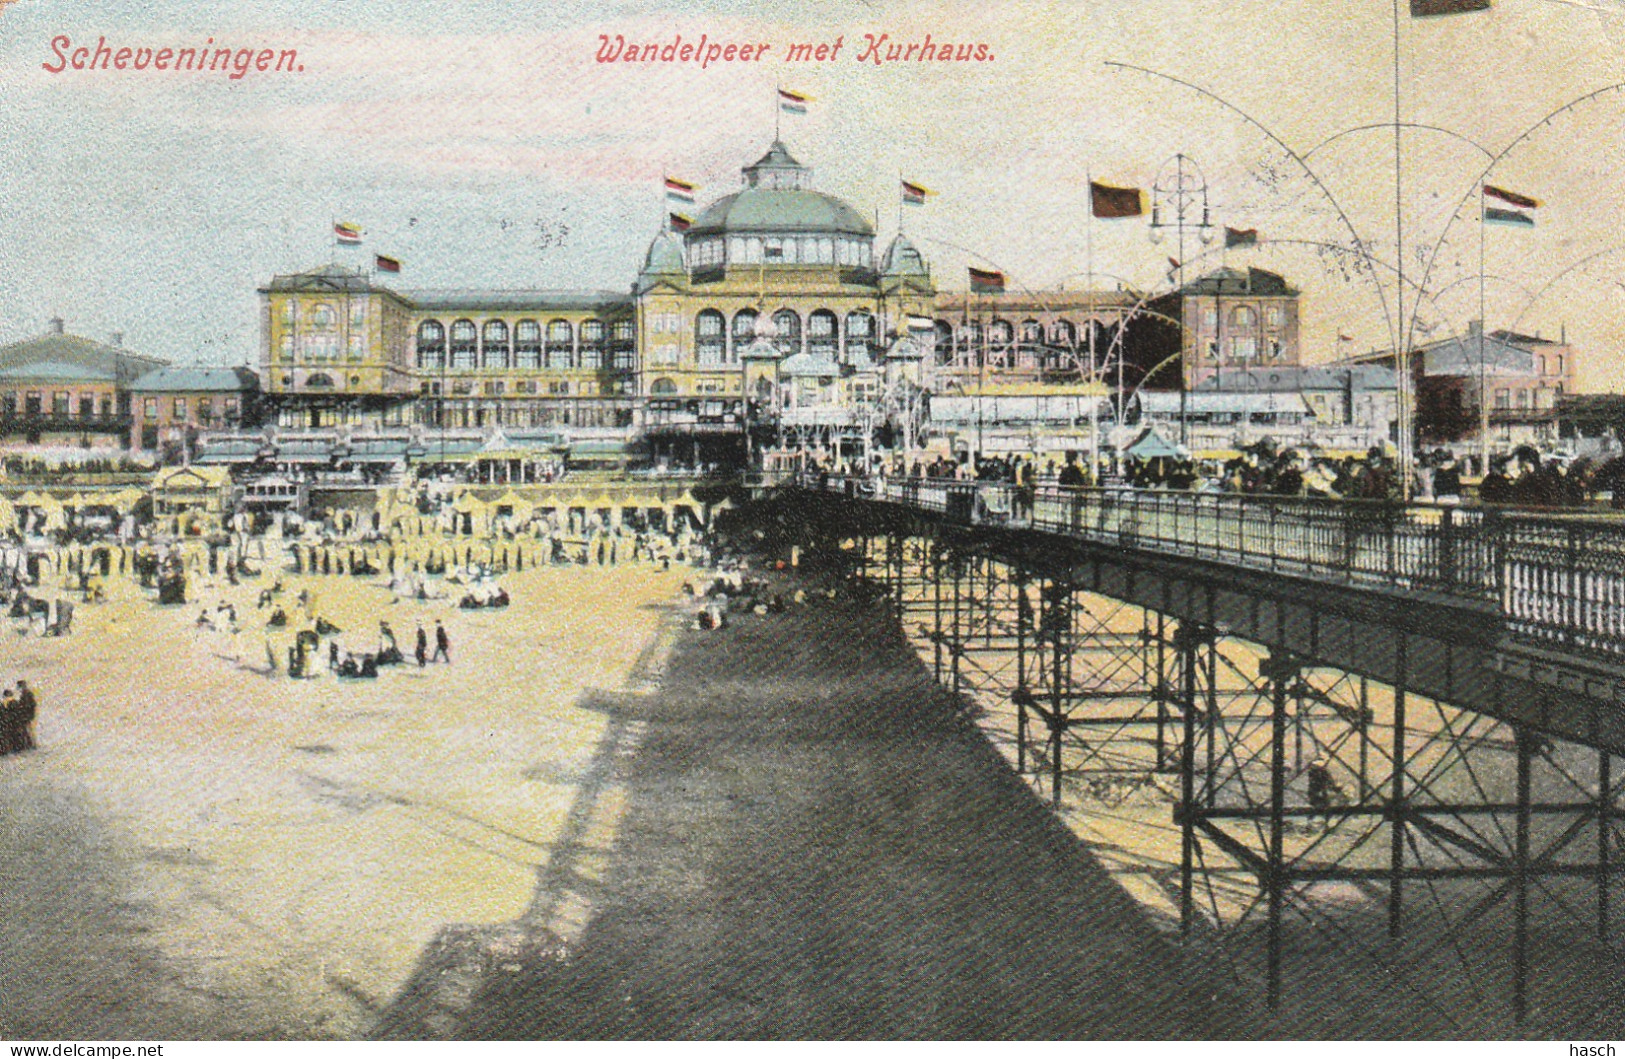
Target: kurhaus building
776	274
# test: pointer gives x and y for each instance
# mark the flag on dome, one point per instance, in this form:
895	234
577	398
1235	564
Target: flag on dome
681	222
386	264
1429	8
915	194
1107	202
1240	237
793	102
679	190
983	281
347	234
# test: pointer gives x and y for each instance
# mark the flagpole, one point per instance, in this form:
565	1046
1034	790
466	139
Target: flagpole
778	111
1402	336
1483	369
899	201
1094	369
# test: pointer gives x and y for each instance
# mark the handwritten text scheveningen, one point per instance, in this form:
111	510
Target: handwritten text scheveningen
235	63
875	49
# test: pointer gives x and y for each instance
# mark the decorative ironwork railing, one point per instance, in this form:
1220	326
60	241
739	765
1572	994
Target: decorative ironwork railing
1558	580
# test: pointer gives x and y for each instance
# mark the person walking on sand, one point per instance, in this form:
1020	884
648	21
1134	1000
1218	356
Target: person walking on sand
442	643
10	723
423	647
27	710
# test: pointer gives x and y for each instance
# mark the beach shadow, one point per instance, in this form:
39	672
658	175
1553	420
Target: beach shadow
814	844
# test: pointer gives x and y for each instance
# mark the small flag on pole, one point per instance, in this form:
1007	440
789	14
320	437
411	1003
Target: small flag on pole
1515	218
1429	8
681	222
1512	198
793	102
679	190
386	264
983	281
1240	237
915	194
347	234
1341	337
1107	202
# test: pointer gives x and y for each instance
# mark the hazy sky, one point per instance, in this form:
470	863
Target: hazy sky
481	143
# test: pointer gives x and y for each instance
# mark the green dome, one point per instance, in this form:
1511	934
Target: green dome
665	256
769	211
902	259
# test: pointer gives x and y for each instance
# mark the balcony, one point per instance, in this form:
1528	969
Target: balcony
31	423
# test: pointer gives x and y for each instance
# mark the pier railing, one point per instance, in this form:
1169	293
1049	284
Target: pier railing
1557	579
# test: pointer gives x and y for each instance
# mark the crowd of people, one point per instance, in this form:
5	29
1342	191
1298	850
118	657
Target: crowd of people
1524	478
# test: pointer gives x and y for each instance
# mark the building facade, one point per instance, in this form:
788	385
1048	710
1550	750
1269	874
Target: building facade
61	389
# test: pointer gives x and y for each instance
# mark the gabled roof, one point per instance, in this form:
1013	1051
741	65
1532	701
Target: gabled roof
1305	377
334	278
66	353
1234	281
519	301
194	379
56	371
810	365
1472	352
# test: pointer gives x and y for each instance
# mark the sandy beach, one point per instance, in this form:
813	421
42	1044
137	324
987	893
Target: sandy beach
200	849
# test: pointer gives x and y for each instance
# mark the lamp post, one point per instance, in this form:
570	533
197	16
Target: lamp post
1179	188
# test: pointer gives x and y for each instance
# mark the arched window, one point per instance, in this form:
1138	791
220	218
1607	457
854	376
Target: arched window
788	327
860	336
1064	333
319	381
560	339
1001	334
970	349
709	340
744	330
527	340
494	345
821	333
593	344
662	387
323	318
431	344
1244	317
464	344
945	341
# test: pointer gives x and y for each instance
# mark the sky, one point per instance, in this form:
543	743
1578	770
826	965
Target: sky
482	144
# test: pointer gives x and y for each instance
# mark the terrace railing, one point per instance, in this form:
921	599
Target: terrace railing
1558	580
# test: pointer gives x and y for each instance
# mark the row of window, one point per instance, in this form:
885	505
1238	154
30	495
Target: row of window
205	408
596	345
62	404
844	250
716	341
324	317
503	387
1245	318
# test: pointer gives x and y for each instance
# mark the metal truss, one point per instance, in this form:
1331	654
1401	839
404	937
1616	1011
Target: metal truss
1327	824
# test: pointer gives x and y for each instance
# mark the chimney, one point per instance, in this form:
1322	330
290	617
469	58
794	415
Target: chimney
116	339
1475	327
56	325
